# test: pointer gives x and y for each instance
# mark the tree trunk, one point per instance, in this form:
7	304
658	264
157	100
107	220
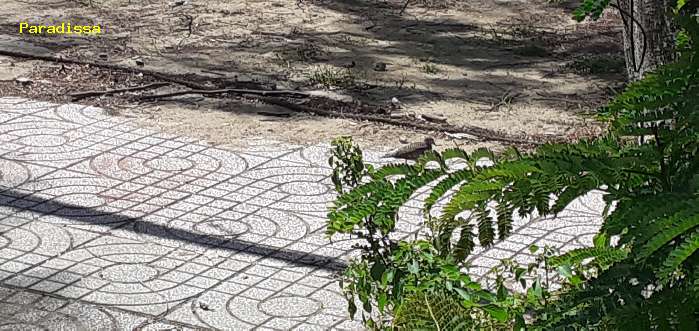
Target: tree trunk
649	35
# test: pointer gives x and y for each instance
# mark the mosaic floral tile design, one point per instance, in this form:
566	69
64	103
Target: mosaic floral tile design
107	226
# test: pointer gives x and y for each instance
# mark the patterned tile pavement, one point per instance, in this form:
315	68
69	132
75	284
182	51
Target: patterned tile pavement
106	226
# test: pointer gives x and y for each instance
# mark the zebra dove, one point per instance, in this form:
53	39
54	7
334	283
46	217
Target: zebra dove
412	151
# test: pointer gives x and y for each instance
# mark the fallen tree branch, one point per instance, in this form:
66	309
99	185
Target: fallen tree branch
263	95
87	94
178	79
230	90
433	118
484	134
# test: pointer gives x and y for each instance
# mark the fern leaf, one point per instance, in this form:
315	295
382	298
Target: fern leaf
453	153
468	197
393	169
504	212
638	214
679	255
478	155
510	170
430	156
445	185
600	256
444	232
674	227
486	232
579	188
433	311
464	246
402	190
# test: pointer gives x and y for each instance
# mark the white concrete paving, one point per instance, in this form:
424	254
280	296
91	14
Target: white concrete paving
107	226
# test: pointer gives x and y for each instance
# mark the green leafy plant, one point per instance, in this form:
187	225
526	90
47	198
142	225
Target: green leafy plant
348	165
641	272
437	310
430	68
590	8
390	270
330	77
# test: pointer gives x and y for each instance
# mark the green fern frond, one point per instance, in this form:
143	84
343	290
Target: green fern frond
465	245
486	232
479	154
361	193
487	184
394	169
671	229
455	153
577	188
599	256
430	156
504	211
637	214
444	232
679	255
508	171
438	310
469	195
403	189
451	181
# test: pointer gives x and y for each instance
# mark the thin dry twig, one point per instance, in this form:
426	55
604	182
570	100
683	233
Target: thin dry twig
233	91
484	134
507	98
433	118
87	94
189	82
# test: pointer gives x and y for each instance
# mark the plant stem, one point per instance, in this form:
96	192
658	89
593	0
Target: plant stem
663	165
429	309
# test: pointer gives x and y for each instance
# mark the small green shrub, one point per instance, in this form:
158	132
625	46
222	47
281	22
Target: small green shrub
430	68
330	77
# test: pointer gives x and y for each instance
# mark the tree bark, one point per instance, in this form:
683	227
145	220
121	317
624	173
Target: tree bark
649	35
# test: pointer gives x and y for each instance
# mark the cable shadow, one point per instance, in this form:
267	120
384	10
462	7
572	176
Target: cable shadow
21	202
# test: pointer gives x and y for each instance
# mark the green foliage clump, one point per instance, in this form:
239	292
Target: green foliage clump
430	68
647	165
330	77
590	8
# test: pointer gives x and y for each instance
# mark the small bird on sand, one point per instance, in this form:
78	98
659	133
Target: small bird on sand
412	151
349	65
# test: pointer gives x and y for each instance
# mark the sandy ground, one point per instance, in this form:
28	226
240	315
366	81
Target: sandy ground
457	59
